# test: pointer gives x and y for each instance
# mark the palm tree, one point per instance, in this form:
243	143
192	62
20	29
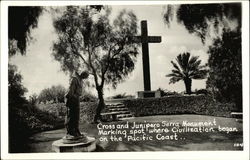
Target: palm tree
186	69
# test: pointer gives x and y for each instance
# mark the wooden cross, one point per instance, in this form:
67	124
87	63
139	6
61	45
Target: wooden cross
145	39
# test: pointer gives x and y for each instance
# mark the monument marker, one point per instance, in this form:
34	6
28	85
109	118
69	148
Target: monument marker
145	39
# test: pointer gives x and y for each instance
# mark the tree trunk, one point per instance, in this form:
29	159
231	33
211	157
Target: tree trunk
101	104
188	84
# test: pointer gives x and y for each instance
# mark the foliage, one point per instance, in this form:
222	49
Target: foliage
16	89
97	46
88	97
33	99
27	120
202	91
53	94
200	18
225	64
88	40
87	110
173	105
168	93
186	69
122	95
21	20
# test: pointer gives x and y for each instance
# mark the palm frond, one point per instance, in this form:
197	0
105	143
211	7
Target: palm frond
175	66
193	59
199	74
174	75
174	80
182	60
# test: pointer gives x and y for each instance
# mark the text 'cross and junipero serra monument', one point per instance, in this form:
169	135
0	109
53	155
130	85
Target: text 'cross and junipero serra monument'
145	39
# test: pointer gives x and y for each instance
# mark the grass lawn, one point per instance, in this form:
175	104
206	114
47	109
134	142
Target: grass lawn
41	142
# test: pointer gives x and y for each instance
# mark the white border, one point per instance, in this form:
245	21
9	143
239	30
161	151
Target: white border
176	155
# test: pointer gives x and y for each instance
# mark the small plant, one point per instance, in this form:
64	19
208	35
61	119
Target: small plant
167	93
33	99
202	91
88	97
122	95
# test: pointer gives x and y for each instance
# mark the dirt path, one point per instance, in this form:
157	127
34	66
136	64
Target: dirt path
41	142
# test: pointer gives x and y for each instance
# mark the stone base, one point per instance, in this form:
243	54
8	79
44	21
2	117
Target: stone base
59	146
149	94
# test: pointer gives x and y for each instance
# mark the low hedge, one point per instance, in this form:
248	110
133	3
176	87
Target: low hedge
87	110
194	104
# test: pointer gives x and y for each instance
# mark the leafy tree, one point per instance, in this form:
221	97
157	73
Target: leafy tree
45	95
33	99
186	69
225	68
16	107
88	40
54	94
21	20
199	18
16	89
59	91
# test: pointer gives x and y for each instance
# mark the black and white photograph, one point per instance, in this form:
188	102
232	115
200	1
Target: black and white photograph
133	80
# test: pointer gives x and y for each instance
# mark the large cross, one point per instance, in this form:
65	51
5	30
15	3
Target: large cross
145	39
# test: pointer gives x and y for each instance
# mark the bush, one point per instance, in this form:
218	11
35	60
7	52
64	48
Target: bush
123	95
88	97
202	91
87	111
33	99
165	93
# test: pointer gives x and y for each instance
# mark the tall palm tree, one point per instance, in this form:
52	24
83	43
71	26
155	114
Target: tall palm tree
186	69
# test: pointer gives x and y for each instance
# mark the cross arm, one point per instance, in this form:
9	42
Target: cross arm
150	39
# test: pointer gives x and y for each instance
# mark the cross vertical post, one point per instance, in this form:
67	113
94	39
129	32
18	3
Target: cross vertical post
145	56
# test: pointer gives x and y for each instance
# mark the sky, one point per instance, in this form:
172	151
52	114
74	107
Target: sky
40	70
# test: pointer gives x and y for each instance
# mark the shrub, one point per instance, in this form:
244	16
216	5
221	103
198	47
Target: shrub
33	99
88	97
88	111
202	91
122	95
168	93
